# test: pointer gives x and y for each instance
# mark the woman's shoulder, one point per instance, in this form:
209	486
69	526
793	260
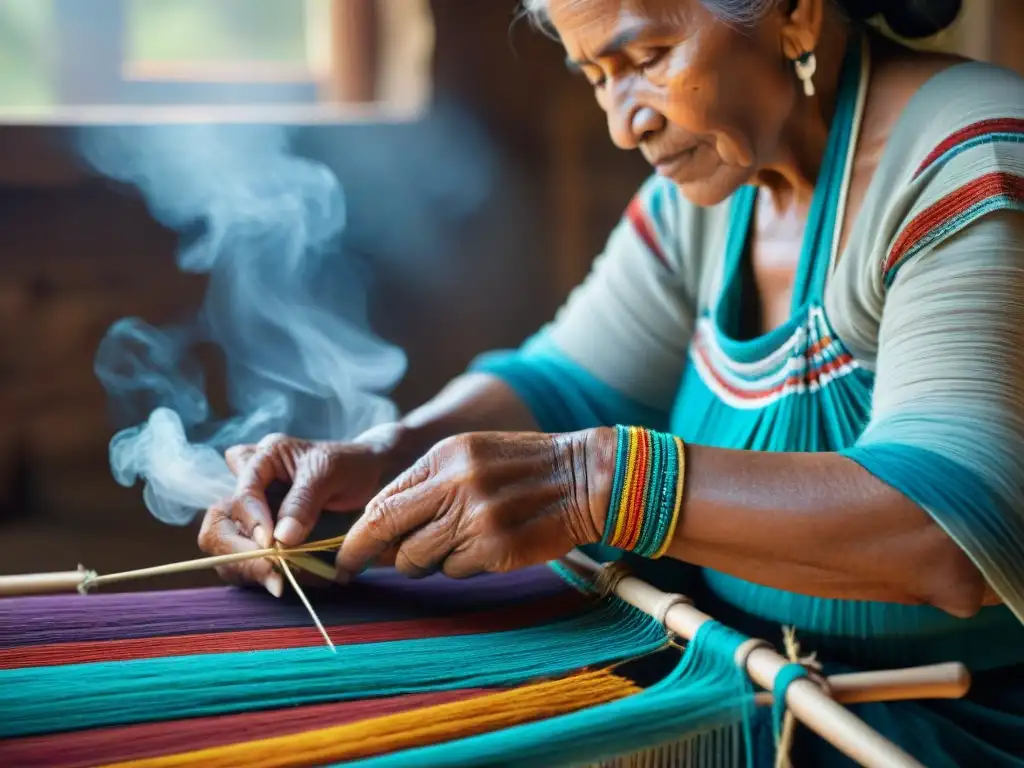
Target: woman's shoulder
940	107
955	145
953	155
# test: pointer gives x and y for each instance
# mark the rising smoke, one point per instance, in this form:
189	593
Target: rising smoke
286	305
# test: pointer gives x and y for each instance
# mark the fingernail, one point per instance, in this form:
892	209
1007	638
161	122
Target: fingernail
261	537
274	584
288	532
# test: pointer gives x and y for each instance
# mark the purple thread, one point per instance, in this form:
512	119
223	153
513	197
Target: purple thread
377	596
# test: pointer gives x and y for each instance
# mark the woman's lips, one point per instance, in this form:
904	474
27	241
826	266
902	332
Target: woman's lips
674	166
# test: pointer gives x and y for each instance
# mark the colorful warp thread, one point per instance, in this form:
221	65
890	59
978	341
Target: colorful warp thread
378	598
699	715
414	728
532	692
647	492
542	611
86	749
49	699
95	694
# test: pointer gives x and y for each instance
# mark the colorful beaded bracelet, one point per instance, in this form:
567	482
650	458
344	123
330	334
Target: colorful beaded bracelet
647	492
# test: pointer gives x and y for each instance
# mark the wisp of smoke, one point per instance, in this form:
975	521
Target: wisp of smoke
285	304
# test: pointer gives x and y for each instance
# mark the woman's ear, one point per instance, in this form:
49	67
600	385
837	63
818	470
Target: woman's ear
801	28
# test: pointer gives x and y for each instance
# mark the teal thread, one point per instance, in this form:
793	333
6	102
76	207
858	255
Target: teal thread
621	464
648	523
668	505
787	675
570	577
706	696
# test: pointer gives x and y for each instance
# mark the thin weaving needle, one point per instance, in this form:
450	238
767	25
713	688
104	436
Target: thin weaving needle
302	596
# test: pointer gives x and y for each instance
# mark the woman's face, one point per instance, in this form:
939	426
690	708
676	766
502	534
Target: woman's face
704	102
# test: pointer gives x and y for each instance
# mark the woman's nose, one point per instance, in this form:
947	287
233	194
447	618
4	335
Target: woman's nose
629	123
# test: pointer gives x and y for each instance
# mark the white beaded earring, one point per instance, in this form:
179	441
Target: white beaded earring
806	67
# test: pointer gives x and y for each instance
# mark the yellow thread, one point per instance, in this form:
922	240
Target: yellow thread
627	487
677	510
311	565
406	730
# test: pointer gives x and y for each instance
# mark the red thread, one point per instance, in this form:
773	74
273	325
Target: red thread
631	530
638	218
956	203
808	377
996	125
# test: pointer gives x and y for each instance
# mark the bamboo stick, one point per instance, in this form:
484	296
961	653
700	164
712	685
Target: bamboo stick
43	583
208	563
805	699
84	580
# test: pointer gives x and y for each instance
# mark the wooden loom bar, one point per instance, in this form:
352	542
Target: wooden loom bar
43	583
950	680
805	699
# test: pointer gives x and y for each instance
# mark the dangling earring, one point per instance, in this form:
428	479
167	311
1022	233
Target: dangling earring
806	67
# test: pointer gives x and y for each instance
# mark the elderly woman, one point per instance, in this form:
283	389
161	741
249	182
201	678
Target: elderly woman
796	371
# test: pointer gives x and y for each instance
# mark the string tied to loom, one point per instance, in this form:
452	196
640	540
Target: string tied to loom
609	577
800	667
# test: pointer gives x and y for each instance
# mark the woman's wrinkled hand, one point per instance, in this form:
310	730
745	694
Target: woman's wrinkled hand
488	502
323	476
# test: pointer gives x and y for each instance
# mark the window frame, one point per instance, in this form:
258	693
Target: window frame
112	88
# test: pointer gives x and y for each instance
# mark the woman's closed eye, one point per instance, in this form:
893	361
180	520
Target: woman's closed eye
652	59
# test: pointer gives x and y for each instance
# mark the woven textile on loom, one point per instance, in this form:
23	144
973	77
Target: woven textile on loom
519	669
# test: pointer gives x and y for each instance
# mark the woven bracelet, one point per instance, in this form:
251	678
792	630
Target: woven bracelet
647	491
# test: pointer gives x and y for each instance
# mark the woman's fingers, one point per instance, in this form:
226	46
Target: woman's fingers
311	490
405	505
238	456
261	468
220	534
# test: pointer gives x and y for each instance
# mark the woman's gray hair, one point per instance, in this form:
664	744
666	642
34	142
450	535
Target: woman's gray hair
907	18
738	12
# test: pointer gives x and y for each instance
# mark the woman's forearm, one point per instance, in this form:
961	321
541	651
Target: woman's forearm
470	403
818	524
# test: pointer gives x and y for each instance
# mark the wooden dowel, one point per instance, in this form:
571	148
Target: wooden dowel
188	566
43	583
804	698
84	580
937	681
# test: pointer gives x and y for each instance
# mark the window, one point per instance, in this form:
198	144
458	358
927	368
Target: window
280	60
25	73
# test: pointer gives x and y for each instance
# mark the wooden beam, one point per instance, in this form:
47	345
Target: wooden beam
355	51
